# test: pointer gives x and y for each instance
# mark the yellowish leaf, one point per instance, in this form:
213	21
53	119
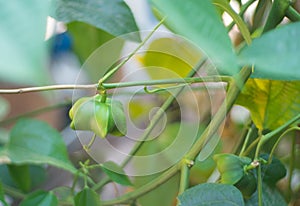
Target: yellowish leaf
271	102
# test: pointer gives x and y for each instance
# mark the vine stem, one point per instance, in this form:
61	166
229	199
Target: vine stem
115	69
107	86
233	92
184	176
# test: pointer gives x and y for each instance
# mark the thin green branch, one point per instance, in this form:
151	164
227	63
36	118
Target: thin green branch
115	69
249	133
13	192
238	20
292	14
279	130
47	88
184	177
189	80
259	186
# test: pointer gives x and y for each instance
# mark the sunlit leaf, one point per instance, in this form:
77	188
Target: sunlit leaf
199	22
35	142
172	57
271	102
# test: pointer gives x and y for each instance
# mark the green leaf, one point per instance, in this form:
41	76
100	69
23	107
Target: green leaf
211	194
112	16
2	197
21	176
40	198
273	172
275	54
87	197
271	103
35	142
270	196
247	184
231	167
115	173
200	23
23	51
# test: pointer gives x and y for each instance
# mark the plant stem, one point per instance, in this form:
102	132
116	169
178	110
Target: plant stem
291	168
189	80
292	14
152	124
184	177
241	13
259	186
233	92
238	20
115	69
35	112
279	139
249	133
279	130
13	192
251	146
119	84
47	88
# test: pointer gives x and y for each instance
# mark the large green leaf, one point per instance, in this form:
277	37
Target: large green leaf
270	196
211	194
271	102
275	54
40	198
35	142
23	52
87	197
112	16
199	22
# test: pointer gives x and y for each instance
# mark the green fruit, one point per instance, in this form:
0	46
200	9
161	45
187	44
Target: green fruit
231	167
90	114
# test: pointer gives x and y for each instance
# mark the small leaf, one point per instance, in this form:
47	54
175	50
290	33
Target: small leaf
40	198
21	176
87	197
271	103
102	119
23	50
231	167
211	194
98	13
119	119
275	54
270	196
200	23
115	173
35	142
273	172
